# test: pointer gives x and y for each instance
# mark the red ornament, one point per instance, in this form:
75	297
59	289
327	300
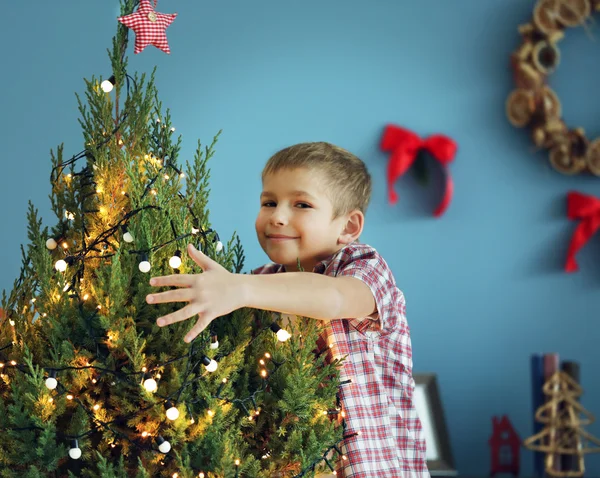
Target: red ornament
505	446
149	26
586	208
405	145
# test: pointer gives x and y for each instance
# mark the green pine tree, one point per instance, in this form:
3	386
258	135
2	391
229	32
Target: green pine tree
80	354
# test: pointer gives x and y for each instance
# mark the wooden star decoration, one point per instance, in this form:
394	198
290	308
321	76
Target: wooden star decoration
149	27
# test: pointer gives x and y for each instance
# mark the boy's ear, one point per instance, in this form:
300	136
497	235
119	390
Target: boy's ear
353	226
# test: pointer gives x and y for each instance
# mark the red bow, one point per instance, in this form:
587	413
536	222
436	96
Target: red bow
405	145
586	208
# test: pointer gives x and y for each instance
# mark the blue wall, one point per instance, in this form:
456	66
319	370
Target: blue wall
484	284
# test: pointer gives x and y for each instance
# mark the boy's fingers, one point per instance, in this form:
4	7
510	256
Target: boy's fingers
201	324
205	262
177	295
176	280
182	314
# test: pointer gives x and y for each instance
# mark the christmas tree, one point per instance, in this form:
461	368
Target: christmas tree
563	434
89	385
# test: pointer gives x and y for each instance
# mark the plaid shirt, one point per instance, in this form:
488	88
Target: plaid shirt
378	403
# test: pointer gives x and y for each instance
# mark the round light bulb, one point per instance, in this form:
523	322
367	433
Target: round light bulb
173	413
51	244
163	445
127	237
150	385
107	86
175	261
60	265
75	451
212	366
283	335
145	267
219	246
51	383
214	345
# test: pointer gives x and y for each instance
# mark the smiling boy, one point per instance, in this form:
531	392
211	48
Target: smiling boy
312	212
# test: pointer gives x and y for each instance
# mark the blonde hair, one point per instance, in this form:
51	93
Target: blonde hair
347	178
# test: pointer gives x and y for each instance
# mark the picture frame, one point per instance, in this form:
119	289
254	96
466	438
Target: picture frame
428	403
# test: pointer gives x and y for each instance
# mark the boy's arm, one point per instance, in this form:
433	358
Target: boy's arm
217	292
308	294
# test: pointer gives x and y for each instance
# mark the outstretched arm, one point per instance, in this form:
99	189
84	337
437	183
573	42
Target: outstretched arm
217	292
308	294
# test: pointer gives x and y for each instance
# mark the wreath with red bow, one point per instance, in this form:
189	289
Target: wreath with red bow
533	103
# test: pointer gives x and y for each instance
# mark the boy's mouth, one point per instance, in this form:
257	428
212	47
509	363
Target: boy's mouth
280	237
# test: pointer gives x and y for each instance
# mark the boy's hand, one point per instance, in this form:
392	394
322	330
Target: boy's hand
213	293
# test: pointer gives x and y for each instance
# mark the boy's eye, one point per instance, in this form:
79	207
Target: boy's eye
268	204
303	205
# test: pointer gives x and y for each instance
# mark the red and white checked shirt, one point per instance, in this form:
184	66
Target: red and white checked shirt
378	403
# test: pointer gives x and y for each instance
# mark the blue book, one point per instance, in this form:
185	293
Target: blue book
537	400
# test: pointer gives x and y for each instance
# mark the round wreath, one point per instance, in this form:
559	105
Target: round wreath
533	103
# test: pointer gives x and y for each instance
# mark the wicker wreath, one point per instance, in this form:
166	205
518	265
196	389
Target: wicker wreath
533	103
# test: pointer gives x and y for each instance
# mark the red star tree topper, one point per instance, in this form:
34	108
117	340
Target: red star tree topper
149	26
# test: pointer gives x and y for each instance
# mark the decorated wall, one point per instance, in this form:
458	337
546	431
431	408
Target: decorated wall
485	282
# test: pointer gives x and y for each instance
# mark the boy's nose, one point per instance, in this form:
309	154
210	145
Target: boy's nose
279	218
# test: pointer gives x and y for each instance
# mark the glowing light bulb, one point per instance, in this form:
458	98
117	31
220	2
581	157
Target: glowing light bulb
172	412
282	334
51	382
175	261
163	445
108	85
219	246
211	365
144	265
60	265
75	451
150	385
214	342
51	244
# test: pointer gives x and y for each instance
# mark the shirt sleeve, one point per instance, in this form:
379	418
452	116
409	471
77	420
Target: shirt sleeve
365	263
271	268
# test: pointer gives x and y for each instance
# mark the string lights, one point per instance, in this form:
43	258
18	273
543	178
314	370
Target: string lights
150	384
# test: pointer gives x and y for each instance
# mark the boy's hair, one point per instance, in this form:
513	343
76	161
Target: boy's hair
347	178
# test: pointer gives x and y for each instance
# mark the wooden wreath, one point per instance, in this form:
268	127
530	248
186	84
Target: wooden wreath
533	103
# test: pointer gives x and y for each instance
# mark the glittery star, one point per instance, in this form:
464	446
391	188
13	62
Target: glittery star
149	27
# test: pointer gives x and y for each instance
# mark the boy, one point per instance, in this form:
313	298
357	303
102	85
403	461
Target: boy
312	212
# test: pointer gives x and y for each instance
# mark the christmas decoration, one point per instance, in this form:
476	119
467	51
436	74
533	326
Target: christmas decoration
149	27
90	386
505	446
586	208
533	103
563	433
404	146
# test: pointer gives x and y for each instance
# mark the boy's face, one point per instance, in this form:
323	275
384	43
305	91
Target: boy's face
295	220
